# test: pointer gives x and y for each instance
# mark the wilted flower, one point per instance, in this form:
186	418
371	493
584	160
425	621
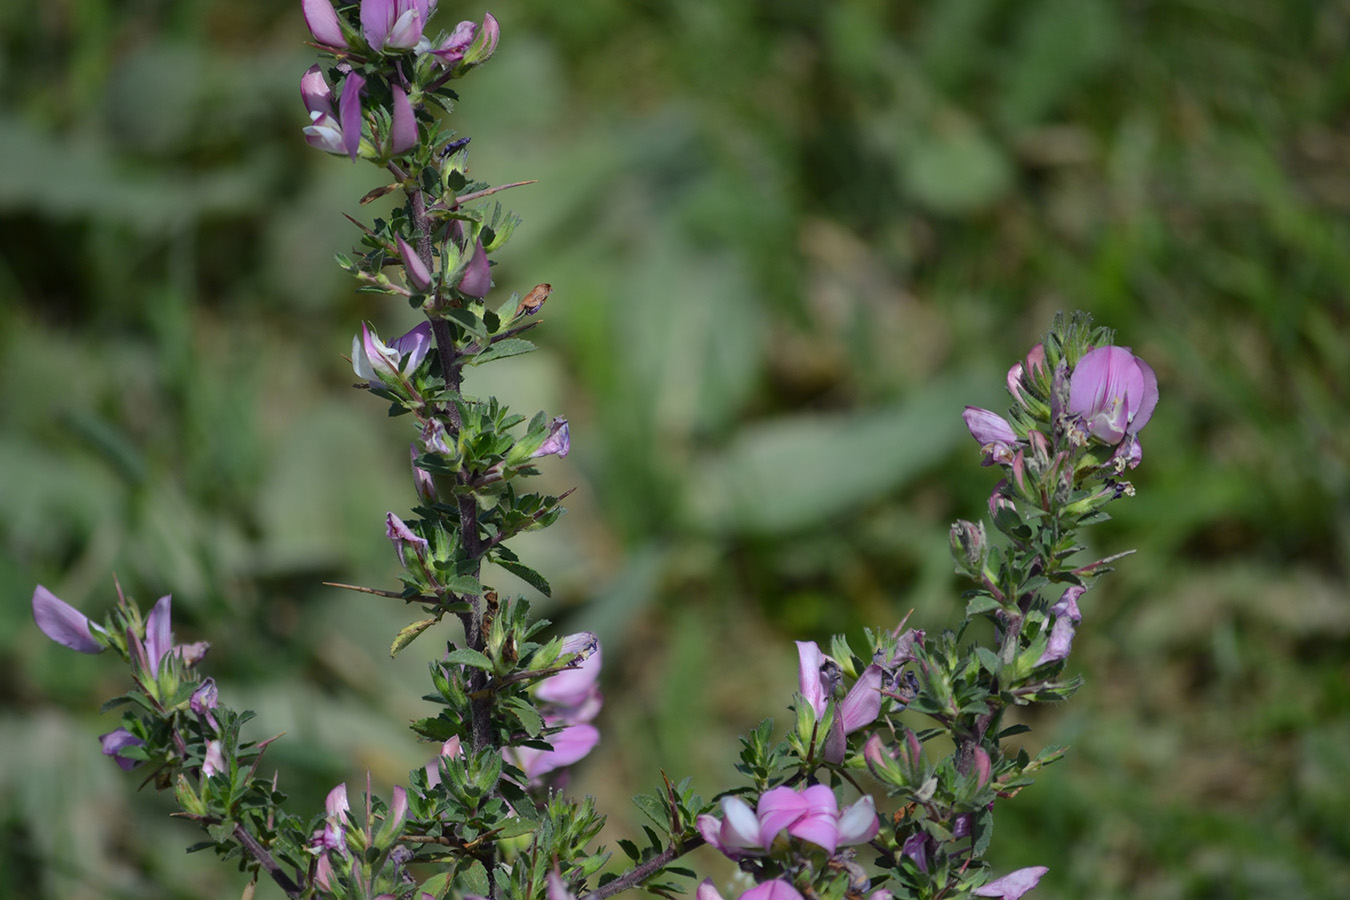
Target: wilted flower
1013	885
333	834
214	762
558	442
1114	392
404	538
1067	617
996	437
203	700
115	741
63	623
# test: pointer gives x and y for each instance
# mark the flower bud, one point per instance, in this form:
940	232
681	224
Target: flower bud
403	124
419	277
478	275
970	546
485	44
323	23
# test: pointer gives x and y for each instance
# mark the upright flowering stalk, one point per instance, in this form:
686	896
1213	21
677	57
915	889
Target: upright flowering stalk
855	801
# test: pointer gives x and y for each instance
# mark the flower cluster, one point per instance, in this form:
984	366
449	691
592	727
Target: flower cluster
387	27
485	818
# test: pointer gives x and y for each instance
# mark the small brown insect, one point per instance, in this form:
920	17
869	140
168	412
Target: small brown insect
532	302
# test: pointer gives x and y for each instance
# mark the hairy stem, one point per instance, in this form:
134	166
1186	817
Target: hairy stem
266	862
636	875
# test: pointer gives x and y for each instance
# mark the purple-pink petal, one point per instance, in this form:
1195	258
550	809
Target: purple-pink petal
995	436
403	134
809	682
569	745
478	276
778	889
811	814
1114	391
706	891
418	274
415	345
158	637
1067	604
558	442
63	623
858	822
572	687
349	112
1061	641
323	22
377	17
863	703
1013	885
115	741
214	762
556	889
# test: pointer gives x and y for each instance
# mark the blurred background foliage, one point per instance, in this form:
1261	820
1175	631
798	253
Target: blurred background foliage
788	240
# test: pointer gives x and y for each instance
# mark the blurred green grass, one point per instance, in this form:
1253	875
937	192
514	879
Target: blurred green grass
788	241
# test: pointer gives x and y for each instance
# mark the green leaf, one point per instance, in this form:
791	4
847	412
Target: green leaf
654	809
527	575
468	321
464	584
222	832
466	657
980	604
409	634
502	349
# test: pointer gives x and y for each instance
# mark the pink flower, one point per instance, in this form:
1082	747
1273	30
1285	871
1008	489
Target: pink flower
817	676
776	889
378	362
394	24
1013	885
335	129
811	814
1114	392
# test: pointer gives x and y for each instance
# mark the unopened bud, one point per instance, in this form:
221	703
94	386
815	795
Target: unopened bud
970	546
